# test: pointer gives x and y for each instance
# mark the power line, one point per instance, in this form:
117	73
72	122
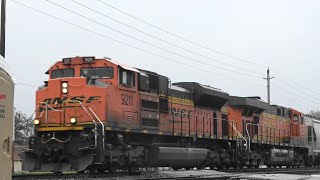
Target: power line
294	88
99	34
302	105
104	36
294	82
177	36
29	85
192	42
162	40
142	41
297	95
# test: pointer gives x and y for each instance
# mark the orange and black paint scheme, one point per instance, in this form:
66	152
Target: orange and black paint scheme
100	115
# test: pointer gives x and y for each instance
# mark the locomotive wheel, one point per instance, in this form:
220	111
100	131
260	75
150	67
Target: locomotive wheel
113	168
235	166
101	170
200	167
221	166
93	170
134	169
240	165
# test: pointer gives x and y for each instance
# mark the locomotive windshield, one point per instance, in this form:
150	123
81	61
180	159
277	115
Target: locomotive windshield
101	72
62	73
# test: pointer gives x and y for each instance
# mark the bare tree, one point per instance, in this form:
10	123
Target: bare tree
23	127
315	113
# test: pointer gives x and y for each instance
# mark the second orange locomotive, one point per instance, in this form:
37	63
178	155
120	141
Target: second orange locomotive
97	114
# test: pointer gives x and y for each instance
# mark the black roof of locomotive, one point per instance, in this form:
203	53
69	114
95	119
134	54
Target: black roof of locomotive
205	96
254	102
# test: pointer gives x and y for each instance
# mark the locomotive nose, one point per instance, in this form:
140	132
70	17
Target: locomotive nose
70	101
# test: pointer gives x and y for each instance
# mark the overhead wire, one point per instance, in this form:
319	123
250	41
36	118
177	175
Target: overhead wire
24	84
129	45
294	88
199	45
297	95
145	42
296	83
162	40
52	16
178	36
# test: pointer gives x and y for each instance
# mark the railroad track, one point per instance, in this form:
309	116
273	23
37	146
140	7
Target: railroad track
274	170
114	176
161	175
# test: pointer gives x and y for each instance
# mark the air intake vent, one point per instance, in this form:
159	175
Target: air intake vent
150	105
150	122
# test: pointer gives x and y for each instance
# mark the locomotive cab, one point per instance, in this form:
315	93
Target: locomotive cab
72	110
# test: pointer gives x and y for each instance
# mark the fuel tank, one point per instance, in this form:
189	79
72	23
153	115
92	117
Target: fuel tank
176	157
281	157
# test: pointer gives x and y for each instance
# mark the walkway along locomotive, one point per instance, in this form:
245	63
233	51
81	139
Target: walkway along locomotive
97	114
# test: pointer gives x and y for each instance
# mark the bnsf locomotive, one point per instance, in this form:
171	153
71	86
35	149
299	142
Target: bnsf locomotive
100	115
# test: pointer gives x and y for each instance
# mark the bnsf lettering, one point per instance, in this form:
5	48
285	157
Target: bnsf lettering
48	100
78	98
126	100
181	112
82	99
93	98
59	100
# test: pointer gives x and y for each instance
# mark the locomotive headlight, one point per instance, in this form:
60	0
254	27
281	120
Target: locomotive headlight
36	122
73	120
65	90
64	85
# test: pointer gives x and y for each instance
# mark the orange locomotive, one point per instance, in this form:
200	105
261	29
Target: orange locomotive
97	114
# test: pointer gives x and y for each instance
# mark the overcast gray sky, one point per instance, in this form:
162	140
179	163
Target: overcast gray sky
280	34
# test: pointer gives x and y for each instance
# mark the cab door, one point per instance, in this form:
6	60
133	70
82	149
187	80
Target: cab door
128	99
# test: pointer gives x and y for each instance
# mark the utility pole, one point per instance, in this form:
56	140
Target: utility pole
268	85
3	29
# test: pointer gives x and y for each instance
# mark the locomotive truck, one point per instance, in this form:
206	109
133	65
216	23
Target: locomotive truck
100	115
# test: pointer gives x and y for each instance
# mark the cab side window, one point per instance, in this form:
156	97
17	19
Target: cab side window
126	78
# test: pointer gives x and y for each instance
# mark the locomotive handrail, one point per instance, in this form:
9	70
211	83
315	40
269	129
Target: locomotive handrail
249	148
103	129
239	134
95	123
84	108
46	111
54	138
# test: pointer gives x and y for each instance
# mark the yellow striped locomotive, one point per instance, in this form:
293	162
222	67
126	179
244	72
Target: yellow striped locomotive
101	115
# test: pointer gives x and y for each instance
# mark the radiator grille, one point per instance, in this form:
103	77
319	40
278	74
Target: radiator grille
150	104
150	122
